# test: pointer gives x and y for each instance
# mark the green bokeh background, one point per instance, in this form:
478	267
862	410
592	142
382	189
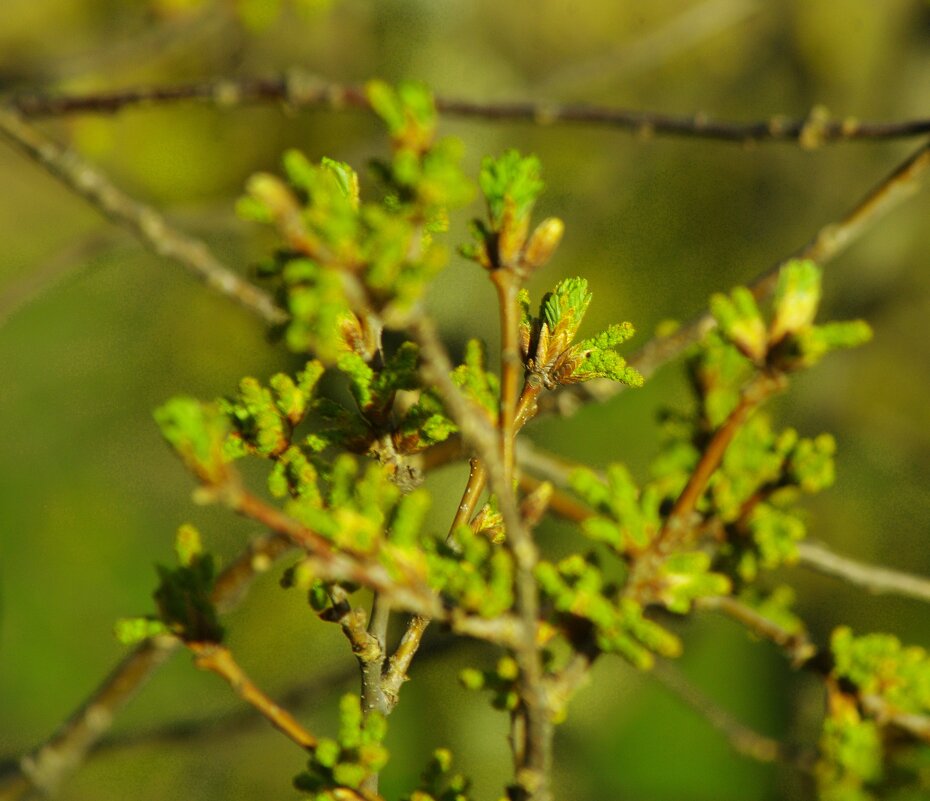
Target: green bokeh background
95	332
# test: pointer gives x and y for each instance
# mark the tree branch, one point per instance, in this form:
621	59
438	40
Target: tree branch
48	765
535	756
218	659
873	578
144	222
679	519
300	90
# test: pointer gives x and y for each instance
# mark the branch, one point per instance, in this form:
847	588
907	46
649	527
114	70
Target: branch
144	222
240	720
535	755
870	577
796	645
219	660
300	90
679	519
48	765
831	240
331	565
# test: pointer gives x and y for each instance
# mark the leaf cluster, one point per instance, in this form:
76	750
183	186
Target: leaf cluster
548	347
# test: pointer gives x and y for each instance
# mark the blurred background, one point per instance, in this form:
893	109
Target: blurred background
95	332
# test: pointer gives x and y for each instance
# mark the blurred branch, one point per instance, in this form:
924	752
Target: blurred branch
300	90
298	697
25	289
682	32
742	738
48	765
831	240
144	222
870	577
154	41
795	645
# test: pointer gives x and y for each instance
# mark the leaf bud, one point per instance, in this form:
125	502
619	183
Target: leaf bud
542	243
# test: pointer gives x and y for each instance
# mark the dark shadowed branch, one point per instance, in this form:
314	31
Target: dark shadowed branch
300	90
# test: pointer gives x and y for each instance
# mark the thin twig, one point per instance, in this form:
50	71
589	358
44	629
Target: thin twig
48	765
870	577
402	658
300	90
332	565
219	659
144	222
679	519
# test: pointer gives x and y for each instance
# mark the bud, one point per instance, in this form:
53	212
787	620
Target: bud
542	243
796	298
272	193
